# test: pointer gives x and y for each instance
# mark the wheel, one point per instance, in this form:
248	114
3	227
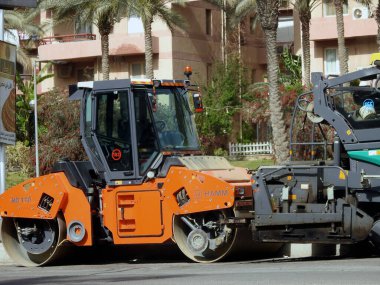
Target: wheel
202	238
33	242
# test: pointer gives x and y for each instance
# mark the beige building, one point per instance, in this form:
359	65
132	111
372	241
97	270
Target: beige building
75	50
360	36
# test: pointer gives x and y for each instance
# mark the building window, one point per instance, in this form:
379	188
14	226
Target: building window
331	61
85	74
83	28
285	30
284	4
208	22
48	13
135	26
329	8
252	25
50	68
253	75
209	72
137	70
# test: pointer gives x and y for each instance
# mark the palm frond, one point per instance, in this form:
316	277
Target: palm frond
364	2
305	6
245	7
24	59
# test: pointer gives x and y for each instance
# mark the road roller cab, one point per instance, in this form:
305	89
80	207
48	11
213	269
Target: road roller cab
145	182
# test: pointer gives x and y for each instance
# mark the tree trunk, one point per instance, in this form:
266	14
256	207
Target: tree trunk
305	27
377	17
268	14
148	49
276	113
105	56
342	51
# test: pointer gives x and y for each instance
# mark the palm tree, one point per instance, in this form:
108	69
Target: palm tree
22	22
148	11
377	18
104	14
342	51
268	12
304	9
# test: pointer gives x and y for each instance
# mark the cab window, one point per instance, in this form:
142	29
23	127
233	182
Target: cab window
113	130
146	135
361	108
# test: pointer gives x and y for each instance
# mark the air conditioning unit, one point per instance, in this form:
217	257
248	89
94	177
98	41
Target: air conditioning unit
360	13
65	70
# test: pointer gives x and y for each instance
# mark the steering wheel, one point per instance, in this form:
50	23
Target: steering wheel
303	100
160	125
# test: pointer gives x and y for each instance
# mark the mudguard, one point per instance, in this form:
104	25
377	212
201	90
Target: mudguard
44	197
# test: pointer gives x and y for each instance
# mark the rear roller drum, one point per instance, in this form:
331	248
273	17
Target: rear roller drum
202	238
33	242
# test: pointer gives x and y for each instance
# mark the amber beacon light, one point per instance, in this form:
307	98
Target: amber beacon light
188	71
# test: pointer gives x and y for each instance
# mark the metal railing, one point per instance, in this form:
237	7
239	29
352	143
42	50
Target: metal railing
67	38
239	149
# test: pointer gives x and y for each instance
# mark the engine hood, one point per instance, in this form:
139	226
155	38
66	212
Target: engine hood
216	166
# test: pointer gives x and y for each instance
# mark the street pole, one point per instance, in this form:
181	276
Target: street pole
36	118
2	146
240	91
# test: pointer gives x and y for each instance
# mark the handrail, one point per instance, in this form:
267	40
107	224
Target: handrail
67	38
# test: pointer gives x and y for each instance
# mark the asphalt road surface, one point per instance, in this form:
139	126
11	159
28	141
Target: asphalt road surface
180	271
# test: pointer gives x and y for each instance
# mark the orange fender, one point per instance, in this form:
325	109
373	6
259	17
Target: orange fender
44	197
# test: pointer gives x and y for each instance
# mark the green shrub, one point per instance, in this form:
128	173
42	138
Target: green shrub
18	158
220	152
60	137
217	125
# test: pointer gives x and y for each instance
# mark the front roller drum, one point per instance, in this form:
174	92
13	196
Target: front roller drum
33	242
202	238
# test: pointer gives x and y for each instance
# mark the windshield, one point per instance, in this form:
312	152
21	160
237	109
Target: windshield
174	120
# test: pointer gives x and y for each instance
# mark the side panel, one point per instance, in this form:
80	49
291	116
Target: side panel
132	213
370	156
139	214
44	197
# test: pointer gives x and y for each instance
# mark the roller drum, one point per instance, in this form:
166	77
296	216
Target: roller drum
33	242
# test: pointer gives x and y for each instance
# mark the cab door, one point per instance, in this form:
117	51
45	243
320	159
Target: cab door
107	134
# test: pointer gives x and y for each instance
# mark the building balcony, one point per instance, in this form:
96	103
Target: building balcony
324	28
84	46
67	38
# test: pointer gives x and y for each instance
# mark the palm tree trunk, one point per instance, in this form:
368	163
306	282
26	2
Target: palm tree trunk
305	27
268	14
342	52
377	17
104	38
276	112
148	49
